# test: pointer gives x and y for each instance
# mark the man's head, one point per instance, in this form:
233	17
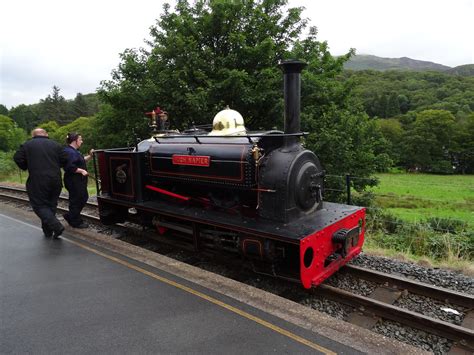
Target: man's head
39	132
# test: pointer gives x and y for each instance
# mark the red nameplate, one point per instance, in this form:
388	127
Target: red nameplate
194	160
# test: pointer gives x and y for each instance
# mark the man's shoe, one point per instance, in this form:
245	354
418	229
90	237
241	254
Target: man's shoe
47	232
66	218
82	226
58	232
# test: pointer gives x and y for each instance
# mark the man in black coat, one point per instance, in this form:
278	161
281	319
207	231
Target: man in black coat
43	158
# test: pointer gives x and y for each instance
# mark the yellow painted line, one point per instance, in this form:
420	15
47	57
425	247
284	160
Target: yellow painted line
210	299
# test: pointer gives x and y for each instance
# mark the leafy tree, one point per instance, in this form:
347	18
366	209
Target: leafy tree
86	126
54	107
11	136
393	106
25	116
83	105
51	127
463	154
204	57
428	142
216	53
393	132
404	103
3	110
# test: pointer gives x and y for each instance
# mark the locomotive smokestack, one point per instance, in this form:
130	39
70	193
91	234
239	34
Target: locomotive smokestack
292	91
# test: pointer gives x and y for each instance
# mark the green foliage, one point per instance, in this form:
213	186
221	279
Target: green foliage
204	57
7	165
421	241
392	133
463	151
3	110
85	126
216	53
447	224
464	70
428	142
51	127
11	136
26	117
54	108
416	91
429	238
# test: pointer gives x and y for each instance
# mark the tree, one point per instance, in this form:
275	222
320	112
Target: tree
3	110
404	103
79	106
214	53
429	141
463	153
25	117
393	106
204	57
85	126
11	136
54	107
51	127
392	131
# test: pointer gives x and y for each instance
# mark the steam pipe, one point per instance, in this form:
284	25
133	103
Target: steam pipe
292	92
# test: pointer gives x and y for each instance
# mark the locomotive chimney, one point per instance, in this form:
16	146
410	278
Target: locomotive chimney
292	91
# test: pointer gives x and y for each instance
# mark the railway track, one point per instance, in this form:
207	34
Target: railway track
13	193
379	305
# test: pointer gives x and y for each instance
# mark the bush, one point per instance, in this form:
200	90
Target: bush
7	165
421	239
379	220
447	225
442	167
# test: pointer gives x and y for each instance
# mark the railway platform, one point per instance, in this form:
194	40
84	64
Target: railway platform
85	293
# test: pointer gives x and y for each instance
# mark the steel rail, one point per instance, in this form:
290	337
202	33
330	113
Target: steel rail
412	286
464	336
21	190
59	208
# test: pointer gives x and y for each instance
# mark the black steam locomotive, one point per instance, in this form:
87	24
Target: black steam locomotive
258	194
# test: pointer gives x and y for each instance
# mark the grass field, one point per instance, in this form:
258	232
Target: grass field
416	197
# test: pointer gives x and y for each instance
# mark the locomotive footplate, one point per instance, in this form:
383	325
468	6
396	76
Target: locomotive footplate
321	237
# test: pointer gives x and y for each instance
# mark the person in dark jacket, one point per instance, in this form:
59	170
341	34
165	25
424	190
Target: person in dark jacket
43	158
75	179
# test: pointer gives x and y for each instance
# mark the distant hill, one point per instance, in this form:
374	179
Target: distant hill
363	62
463	70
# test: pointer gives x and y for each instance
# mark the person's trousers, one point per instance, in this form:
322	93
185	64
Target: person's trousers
76	185
43	193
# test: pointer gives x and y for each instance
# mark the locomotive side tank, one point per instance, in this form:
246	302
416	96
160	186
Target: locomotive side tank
258	194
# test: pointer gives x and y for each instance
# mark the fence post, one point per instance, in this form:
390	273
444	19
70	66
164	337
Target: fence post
348	189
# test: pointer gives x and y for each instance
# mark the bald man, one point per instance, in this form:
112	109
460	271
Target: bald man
43	158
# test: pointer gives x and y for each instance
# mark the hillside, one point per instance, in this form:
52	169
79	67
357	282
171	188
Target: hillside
463	70
364	62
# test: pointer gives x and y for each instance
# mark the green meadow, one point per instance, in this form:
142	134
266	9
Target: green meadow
416	197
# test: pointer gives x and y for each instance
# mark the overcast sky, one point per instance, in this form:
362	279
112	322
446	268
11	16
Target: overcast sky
76	45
